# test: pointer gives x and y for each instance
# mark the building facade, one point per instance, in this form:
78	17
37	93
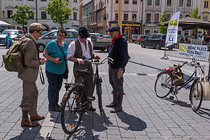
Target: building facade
88	8
40	16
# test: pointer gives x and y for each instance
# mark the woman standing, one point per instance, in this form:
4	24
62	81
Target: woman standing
8	40
55	66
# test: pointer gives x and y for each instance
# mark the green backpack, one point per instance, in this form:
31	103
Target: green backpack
14	58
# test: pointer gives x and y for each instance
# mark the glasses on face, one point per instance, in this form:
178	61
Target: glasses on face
61	35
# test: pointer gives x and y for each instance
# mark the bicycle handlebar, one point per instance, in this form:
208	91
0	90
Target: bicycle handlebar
98	62
193	63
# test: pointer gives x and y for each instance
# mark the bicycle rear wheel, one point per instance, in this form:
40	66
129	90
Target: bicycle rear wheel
70	117
163	85
99	93
196	95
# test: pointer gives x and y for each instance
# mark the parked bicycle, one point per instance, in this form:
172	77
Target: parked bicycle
164	84
75	102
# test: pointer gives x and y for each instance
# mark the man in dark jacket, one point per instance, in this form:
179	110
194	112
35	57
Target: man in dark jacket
119	53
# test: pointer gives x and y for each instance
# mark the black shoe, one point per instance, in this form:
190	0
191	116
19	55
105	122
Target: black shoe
56	109
92	109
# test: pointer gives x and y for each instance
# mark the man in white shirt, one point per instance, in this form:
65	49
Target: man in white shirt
77	51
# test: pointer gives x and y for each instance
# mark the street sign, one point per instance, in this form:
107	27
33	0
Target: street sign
193	51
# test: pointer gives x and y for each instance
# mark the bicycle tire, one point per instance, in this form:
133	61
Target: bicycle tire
70	118
196	95
99	93
163	85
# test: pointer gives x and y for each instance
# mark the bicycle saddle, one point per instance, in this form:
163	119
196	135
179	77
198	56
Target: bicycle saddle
84	71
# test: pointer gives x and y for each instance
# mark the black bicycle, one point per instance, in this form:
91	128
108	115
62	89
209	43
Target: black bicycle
97	81
164	85
74	103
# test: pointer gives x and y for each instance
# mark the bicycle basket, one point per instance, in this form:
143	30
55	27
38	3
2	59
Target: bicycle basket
178	77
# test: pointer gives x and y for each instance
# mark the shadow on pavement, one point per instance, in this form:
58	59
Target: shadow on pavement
135	124
29	133
180	103
145	65
204	112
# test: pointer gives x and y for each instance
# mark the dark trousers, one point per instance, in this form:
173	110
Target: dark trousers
117	84
89	77
55	84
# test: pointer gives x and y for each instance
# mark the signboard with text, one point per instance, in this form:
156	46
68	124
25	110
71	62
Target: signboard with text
193	51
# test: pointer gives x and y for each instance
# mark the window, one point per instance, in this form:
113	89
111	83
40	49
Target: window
168	2
43	0
125	16
147	32
181	16
43	15
30	0
205	18
180	3
75	1
32	15
126	1
74	15
157	2
116	16
134	17
148	17
156	16
149	2
188	3
116	1
134	1
69	34
9	13
206	4
168	16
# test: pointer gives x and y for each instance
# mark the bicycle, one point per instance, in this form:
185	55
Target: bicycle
164	84
74	104
97	81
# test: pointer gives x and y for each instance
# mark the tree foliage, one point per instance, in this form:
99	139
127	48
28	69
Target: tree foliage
194	14
163	29
59	11
22	15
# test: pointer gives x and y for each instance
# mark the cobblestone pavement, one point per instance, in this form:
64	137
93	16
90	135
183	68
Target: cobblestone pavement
144	115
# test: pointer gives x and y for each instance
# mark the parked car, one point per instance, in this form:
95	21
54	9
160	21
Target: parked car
42	42
140	38
124	35
156	41
13	34
101	42
134	36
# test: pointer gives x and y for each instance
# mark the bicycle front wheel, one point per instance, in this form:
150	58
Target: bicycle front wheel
163	85
70	117
196	95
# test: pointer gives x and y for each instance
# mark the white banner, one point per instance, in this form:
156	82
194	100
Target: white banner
172	31
193	51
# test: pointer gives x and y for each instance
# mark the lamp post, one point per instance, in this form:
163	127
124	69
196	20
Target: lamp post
141	22
36	12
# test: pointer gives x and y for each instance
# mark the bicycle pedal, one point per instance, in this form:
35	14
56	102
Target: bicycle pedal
91	98
171	97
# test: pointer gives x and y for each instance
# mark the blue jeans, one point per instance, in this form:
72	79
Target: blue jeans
9	43
55	84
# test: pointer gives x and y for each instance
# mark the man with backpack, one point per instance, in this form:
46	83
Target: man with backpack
29	75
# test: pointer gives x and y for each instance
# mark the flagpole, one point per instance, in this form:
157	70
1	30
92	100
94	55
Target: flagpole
165	55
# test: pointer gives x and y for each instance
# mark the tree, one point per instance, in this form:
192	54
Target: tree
22	15
163	29
59	11
194	14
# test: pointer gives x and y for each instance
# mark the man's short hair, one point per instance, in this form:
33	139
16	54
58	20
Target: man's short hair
61	30
36	27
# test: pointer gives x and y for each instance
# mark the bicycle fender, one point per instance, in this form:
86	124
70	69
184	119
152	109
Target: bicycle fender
68	92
